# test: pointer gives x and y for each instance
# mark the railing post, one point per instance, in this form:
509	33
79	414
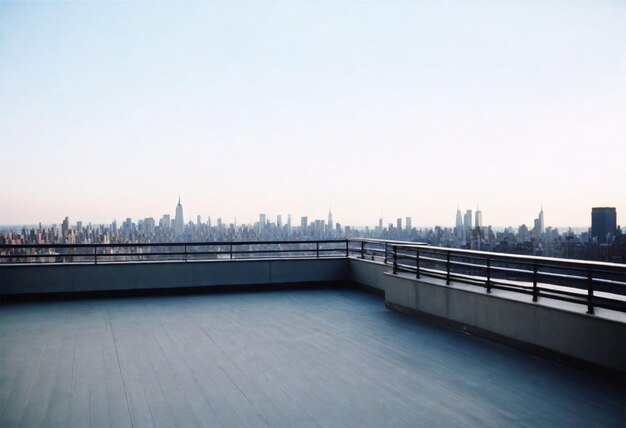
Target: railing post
317	249
417	263
230	251
589	292
535	278
386	256
185	249
488	274
395	260
447	267
347	248
362	249
95	255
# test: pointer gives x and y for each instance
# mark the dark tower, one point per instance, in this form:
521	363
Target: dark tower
603	223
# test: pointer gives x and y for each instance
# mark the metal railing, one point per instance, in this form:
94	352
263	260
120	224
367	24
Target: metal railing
178	251
594	284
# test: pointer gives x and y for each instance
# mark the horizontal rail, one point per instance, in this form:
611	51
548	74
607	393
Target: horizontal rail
595	284
124	252
591	283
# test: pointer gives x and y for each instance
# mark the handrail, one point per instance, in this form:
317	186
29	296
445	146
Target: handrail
594	284
161	251
577	281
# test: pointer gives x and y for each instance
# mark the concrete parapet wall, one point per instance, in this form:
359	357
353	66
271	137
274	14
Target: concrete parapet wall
70	278
537	327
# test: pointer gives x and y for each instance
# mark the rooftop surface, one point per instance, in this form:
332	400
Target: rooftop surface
316	358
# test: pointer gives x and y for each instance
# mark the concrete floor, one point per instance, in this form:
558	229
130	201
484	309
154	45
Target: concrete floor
302	358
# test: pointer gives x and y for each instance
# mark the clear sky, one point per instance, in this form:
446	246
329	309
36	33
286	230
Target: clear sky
111	110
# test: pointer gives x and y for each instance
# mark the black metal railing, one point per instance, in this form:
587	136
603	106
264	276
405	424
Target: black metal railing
594	284
178	251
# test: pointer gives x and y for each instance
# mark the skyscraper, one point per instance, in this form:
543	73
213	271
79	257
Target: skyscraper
539	228
603	223
304	221
262	222
467	221
179	222
330	221
479	218
65	227
458	226
279	221
409	223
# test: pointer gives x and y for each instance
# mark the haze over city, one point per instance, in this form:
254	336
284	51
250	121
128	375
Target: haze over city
111	110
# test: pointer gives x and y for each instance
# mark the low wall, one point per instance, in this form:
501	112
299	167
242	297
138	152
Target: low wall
536	327
72	278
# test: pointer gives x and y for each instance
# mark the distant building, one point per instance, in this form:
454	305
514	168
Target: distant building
467	221
149	225
165	222
65	227
304	221
479	219
399	223
409	223
179	222
262	221
603	223
330	221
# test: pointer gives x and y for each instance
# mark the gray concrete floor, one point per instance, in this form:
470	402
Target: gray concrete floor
306	358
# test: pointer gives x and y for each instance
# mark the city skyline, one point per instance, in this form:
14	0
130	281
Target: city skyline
408	108
603	240
175	216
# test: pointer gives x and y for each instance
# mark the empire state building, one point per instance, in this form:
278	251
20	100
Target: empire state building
179	222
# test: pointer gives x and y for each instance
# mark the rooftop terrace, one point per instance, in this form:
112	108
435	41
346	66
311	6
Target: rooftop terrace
313	357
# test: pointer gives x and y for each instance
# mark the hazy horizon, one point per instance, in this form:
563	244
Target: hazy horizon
111	110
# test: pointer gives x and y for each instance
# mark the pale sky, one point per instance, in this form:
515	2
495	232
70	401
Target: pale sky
111	110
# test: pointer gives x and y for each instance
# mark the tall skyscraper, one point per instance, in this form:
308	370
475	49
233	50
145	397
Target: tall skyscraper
289	224
279	221
304	221
479	218
330	221
458	226
65	226
467	221
399	223
262	222
409	223
603	223
539	225
179	222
